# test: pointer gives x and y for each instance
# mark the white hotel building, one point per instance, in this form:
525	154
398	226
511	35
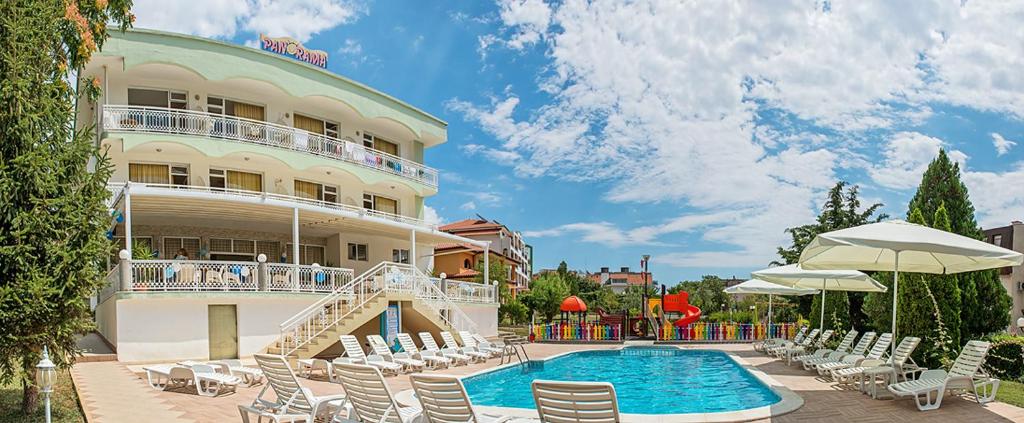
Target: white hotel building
296	194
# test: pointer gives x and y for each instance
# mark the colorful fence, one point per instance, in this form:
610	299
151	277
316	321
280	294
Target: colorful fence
576	332
727	332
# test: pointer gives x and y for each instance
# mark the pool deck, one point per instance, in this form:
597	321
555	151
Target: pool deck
102	388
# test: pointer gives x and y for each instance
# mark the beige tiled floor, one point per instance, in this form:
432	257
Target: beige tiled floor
110	393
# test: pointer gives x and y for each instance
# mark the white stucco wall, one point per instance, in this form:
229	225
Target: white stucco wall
170	328
106	320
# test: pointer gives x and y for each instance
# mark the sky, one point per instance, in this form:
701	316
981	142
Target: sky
695	132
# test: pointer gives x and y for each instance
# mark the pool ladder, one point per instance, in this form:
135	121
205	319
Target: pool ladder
513	346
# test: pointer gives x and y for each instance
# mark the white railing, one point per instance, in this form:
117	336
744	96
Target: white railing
383	278
188	122
139	187
468	291
211	275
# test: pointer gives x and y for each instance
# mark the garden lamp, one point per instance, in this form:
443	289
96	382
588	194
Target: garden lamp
46	376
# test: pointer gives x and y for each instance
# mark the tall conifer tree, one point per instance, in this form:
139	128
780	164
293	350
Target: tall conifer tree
54	217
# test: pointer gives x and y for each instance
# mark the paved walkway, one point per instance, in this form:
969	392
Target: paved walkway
110	392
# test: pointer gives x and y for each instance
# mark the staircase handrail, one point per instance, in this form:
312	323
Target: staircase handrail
435	290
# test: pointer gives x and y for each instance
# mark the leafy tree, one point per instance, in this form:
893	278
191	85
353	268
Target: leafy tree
708	294
837	310
54	218
546	295
513	311
632	298
984	303
497	271
841	210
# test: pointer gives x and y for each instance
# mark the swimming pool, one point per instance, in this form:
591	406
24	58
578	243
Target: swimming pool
647	380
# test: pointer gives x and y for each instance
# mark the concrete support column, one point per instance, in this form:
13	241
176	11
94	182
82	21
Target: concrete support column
262	272
128	217
412	248
295	247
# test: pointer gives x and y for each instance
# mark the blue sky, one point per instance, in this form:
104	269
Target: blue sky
692	132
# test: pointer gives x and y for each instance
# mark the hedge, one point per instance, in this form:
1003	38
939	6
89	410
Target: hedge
1006	357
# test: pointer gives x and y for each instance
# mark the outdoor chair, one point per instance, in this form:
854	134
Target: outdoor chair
380	348
370	397
572	402
451	353
292	402
444	400
450	342
964	375
433	359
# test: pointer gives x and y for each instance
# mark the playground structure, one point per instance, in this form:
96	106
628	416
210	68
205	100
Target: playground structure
676	304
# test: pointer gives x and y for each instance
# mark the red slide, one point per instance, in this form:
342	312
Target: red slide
680	303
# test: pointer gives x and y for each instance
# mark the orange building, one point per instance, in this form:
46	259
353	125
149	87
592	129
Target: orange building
459	260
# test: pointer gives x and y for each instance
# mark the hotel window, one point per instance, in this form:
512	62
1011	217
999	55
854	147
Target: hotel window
466	264
232	179
316	126
309	254
379	144
271	249
173	244
149	173
222	106
357	252
378	203
232	249
997	240
400	256
316	191
157	98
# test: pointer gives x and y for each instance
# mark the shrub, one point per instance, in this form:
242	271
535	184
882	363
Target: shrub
1005	359
514	312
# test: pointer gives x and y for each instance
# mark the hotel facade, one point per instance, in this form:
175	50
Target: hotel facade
270	205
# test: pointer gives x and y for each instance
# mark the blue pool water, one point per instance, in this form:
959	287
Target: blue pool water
648	380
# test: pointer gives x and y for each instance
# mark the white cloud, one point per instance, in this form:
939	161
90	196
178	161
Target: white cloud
998	197
431	216
300	19
530	18
906	156
468	206
1002	145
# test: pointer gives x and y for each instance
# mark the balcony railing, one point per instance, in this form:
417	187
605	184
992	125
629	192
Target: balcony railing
117	188
471	292
223	276
187	122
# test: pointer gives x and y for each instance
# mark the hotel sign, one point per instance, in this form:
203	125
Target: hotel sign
292	48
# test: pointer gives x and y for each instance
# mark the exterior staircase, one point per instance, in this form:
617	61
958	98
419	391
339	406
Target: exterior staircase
351	306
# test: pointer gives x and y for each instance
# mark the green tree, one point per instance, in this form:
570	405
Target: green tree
708	294
546	295
497	271
514	312
841	210
837	310
54	218
984	303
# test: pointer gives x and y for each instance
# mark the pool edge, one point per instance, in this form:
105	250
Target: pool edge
789	401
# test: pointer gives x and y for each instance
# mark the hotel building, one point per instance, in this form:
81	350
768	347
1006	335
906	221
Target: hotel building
1011	237
271	205
459	260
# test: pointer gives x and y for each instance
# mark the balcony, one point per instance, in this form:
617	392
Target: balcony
221	276
211	193
185	122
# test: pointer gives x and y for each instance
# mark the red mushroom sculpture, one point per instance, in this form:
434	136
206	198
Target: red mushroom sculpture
574	304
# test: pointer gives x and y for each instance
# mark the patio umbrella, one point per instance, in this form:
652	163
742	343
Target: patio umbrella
757	286
897	245
793	275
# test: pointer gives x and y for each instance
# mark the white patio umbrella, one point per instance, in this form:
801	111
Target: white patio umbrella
757	286
793	275
897	245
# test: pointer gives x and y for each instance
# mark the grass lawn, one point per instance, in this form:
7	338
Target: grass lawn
1011	393
63	402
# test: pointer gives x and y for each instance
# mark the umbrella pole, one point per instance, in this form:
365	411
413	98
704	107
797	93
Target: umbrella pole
895	287
822	305
769	314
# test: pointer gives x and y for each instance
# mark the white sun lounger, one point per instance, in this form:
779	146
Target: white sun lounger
763	346
808	340
857	351
444	400
250	375
858	355
292	402
964	375
380	347
355	353
574	402
470	341
844	346
790	353
433	359
207	381
370	397
450	342
875	359
430	345
309	365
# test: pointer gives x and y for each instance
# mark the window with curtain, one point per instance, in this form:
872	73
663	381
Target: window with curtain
385	146
244	181
308	190
149	173
307	123
246	110
173	244
386	205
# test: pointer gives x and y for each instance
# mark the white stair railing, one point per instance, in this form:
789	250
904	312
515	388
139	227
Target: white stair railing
385	277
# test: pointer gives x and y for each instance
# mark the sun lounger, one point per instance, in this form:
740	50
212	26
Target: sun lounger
763	346
380	347
433	359
309	365
450	342
857	356
573	402
250	376
470	341
808	340
844	346
355	353
964	375
857	351
874	360
207	381
444	400
370	397
292	402
789	353
430	345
